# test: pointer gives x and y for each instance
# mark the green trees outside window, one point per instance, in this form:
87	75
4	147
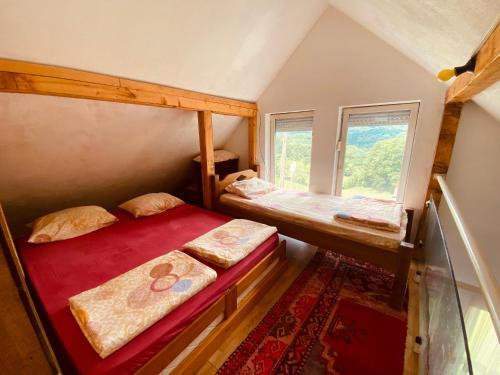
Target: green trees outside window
373	160
292	159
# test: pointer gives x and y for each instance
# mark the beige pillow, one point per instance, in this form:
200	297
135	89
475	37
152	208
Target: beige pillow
150	204
220	155
236	176
70	223
251	188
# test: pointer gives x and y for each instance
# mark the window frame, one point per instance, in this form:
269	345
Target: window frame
340	145
272	137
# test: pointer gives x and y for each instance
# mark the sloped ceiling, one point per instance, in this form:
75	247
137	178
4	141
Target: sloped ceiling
434	34
224	47
227	47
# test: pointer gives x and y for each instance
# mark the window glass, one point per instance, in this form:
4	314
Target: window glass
375	153
292	152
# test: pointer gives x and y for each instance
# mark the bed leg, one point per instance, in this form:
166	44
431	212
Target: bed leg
282	250
231	302
401	276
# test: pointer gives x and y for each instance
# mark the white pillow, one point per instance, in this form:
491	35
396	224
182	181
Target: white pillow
251	188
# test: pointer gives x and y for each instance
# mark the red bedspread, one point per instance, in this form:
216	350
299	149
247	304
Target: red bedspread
62	269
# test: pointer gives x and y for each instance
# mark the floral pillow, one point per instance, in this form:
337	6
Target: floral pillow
251	188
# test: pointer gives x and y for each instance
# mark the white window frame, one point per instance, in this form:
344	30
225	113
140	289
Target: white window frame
272	135
413	107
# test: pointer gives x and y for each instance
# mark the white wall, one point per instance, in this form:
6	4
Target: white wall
238	142
474	180
340	63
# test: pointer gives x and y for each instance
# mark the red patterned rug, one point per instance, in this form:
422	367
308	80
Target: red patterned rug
333	319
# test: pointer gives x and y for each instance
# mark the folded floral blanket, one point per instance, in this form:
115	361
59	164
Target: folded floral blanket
113	313
372	213
367	221
231	242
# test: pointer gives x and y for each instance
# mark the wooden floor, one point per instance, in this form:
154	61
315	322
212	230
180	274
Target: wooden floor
298	254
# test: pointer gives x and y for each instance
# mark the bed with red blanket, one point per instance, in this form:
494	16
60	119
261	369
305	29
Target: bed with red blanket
59	270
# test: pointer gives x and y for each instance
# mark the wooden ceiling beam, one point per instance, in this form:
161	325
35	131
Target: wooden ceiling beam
486	72
32	78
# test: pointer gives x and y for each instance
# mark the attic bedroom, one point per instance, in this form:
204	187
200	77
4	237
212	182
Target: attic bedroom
250	187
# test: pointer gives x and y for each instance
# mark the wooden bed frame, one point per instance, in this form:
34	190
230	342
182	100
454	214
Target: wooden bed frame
228	305
397	261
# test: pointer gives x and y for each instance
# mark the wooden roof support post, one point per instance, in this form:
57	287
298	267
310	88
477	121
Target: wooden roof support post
444	149
464	88
205	130
252	143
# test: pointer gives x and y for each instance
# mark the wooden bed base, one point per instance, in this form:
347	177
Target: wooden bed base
228	305
397	260
233	311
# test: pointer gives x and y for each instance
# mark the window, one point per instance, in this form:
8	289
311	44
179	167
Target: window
290	150
374	150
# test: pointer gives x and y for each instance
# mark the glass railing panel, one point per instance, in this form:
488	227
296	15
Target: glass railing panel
447	350
484	347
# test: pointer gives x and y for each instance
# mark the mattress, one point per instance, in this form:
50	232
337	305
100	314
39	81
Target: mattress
316	211
59	270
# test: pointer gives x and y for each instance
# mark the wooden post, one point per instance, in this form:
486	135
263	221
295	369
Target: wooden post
252	143
283	160
444	149
465	87
205	130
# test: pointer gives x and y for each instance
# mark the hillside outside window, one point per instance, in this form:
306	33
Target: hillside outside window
374	150
291	142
